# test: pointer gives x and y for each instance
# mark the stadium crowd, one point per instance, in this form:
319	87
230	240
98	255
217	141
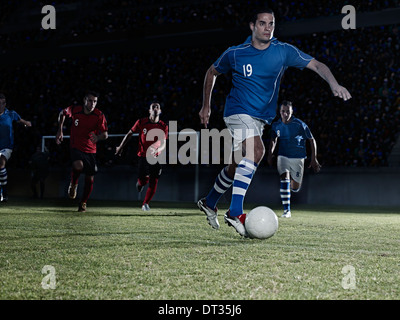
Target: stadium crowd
154	16
360	132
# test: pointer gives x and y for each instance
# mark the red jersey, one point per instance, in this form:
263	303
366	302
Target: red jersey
83	125
143	127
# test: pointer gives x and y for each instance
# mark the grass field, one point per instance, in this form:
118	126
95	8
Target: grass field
116	251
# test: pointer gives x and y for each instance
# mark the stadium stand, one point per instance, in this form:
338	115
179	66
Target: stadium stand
44	71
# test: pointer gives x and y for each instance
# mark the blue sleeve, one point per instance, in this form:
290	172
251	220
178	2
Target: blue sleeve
223	64
295	57
307	131
15	116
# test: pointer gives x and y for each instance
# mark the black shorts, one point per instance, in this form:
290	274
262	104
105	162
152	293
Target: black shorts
146	169
88	159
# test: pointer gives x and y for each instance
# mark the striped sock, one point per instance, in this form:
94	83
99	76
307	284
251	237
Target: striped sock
3	181
222	183
285	194
243	176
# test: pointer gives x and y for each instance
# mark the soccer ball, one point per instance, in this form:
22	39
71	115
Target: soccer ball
261	223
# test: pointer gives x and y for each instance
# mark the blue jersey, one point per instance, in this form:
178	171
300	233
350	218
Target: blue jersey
256	76
6	129
292	137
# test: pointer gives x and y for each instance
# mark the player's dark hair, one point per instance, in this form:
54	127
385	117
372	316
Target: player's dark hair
156	101
92	93
286	103
254	16
2	96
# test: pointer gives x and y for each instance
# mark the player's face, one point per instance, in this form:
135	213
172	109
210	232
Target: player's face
90	103
155	109
286	113
263	29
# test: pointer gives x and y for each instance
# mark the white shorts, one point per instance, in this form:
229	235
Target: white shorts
6	153
295	167
242	127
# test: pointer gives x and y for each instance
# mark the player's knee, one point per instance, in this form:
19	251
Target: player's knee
295	187
77	165
3	162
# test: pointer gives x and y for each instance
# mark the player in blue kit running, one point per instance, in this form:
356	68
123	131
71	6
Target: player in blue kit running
7	117
293	134
257	67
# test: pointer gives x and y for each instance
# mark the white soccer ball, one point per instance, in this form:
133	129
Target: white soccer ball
261	223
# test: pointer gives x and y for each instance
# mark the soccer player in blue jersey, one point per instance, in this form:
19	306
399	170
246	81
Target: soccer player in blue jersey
257	67
293	134
7	117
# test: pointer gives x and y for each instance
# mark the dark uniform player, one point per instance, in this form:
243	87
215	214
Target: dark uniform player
89	126
148	147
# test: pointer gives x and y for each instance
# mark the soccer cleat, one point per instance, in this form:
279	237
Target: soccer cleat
237	223
210	213
145	207
139	188
286	214
4	199
82	207
72	190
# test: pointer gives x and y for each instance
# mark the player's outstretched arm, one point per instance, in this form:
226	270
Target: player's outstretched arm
325	73
118	150
25	123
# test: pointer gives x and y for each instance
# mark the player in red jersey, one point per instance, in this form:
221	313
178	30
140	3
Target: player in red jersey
89	126
149	146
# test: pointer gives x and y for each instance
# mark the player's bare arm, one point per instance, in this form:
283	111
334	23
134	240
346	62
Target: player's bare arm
60	135
314	161
325	73
25	123
102	136
209	81
118	150
271	149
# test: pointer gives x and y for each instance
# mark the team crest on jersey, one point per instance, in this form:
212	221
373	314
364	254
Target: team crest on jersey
299	138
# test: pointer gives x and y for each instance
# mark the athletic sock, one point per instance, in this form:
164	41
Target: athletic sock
88	188
151	190
3	182
285	194
243	176
75	176
222	183
143	181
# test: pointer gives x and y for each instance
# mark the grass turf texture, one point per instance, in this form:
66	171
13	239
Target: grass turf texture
117	251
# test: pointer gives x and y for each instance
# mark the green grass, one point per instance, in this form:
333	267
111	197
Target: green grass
116	251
